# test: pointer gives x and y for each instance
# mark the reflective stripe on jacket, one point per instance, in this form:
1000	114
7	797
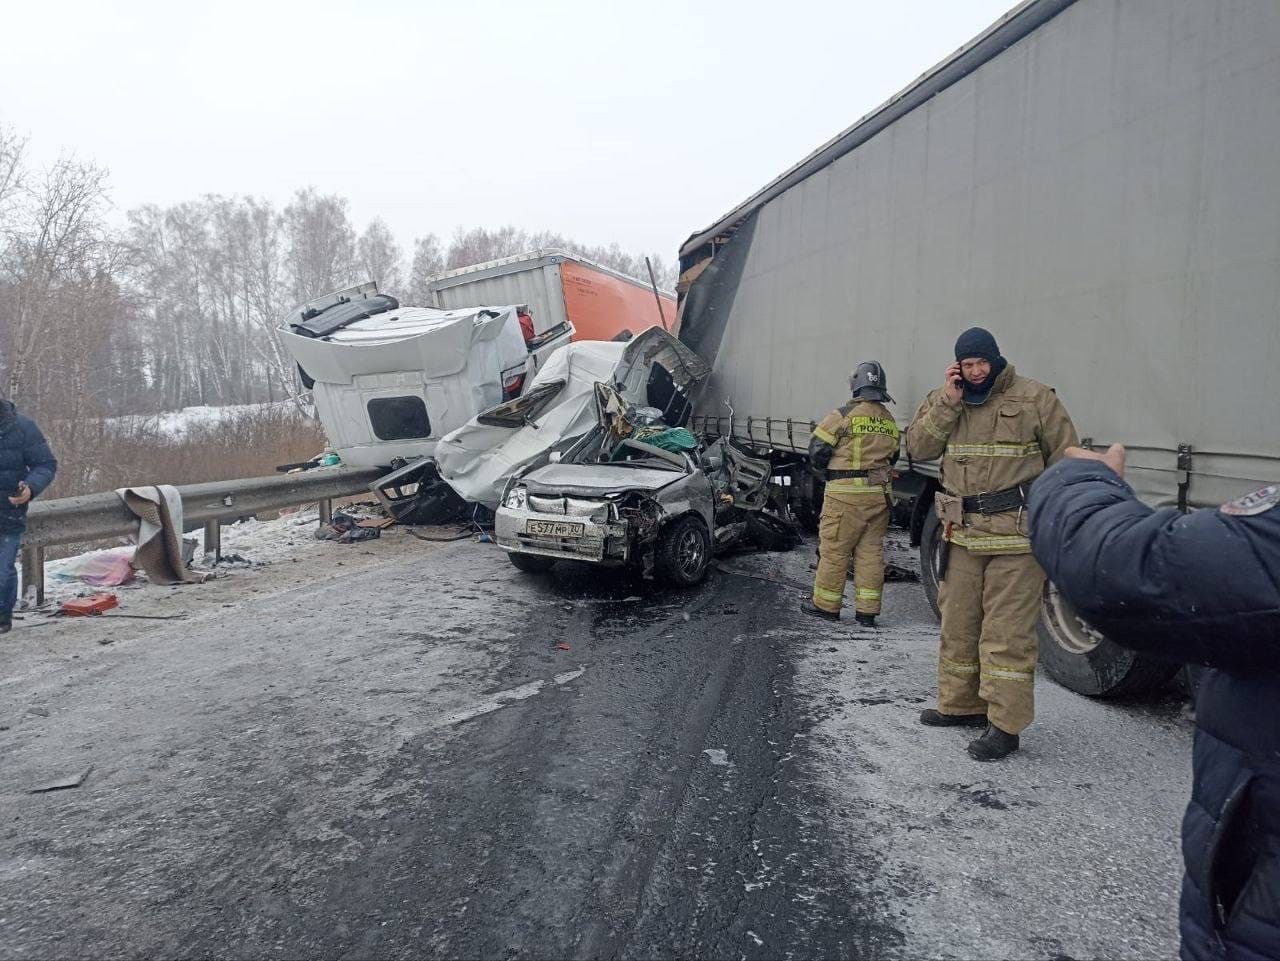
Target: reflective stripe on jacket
864	436
1008	440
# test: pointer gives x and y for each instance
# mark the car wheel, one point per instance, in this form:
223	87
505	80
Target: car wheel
530	563
684	552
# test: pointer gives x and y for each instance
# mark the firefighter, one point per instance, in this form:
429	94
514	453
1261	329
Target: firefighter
996	432
853	451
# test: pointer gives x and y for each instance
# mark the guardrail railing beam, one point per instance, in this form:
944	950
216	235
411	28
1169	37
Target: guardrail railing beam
92	517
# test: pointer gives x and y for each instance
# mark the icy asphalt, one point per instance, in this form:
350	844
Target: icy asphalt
382	750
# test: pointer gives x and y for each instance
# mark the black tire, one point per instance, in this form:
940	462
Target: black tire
683	555
808	505
1083	660
930	556
1074	655
530	563
770	532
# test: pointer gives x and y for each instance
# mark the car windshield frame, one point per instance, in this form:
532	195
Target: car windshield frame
521	410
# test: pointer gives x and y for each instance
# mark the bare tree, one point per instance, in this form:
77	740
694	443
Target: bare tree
480	244
428	261
54	242
12	150
378	257
321	244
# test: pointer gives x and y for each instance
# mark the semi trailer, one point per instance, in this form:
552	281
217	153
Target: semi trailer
1092	180
558	288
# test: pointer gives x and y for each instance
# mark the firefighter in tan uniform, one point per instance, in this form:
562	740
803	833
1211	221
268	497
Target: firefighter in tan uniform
854	449
996	432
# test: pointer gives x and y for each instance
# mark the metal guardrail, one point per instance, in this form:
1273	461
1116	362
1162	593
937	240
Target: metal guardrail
72	520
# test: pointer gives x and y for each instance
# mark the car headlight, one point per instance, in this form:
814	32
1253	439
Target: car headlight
517	499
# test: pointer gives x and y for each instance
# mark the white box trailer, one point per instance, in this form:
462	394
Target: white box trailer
1092	180
560	287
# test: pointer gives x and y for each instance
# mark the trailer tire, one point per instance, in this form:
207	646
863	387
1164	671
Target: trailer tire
808	509
930	556
1083	660
684	552
1075	656
530	563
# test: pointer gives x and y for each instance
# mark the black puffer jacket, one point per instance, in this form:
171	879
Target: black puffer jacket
24	456
1201	588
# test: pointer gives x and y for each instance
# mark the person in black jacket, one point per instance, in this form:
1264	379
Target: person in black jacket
1200	588
27	467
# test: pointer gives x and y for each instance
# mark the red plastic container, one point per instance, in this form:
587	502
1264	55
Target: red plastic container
93	604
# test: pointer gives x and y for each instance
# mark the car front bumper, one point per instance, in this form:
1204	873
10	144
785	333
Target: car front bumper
600	542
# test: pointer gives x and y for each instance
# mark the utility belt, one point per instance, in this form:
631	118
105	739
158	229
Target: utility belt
876	475
951	509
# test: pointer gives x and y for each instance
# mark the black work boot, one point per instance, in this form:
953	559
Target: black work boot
813	610
993	745
935	718
6	625
866	620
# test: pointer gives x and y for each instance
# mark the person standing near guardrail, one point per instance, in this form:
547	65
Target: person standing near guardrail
27	466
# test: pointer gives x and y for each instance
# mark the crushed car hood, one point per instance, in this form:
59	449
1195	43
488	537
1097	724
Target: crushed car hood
478	459
600	480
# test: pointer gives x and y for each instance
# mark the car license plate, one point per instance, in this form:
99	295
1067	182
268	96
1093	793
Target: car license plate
554	528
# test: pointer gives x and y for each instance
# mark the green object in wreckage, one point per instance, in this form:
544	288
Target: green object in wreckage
675	439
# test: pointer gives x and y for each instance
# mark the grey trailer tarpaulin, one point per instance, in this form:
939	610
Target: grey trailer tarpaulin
1096	185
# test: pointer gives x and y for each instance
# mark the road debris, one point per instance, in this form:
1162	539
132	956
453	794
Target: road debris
85	606
347	528
74	780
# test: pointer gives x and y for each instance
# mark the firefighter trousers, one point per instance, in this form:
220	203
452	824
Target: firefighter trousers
852	524
987	661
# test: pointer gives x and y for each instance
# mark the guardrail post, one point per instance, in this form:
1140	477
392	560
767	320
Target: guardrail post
33	574
213	539
326	511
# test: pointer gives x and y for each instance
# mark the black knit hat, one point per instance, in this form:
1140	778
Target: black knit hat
977	342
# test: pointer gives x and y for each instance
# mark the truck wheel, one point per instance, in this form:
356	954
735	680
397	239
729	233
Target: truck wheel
1083	660
808	506
530	563
930	556
684	552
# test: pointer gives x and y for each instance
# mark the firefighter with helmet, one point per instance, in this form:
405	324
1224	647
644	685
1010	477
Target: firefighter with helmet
853	450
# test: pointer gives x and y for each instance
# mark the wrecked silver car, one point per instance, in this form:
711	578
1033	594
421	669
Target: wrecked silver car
631	491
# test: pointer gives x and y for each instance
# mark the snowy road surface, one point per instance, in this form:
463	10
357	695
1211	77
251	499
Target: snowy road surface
381	750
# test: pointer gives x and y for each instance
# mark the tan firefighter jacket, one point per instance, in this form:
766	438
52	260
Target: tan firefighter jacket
864	436
1007	440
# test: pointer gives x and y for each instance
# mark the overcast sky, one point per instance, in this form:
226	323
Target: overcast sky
635	123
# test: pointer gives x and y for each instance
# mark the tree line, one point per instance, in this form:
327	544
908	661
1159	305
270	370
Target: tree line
179	305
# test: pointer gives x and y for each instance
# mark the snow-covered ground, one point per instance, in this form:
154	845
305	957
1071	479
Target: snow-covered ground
176	423
244	544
